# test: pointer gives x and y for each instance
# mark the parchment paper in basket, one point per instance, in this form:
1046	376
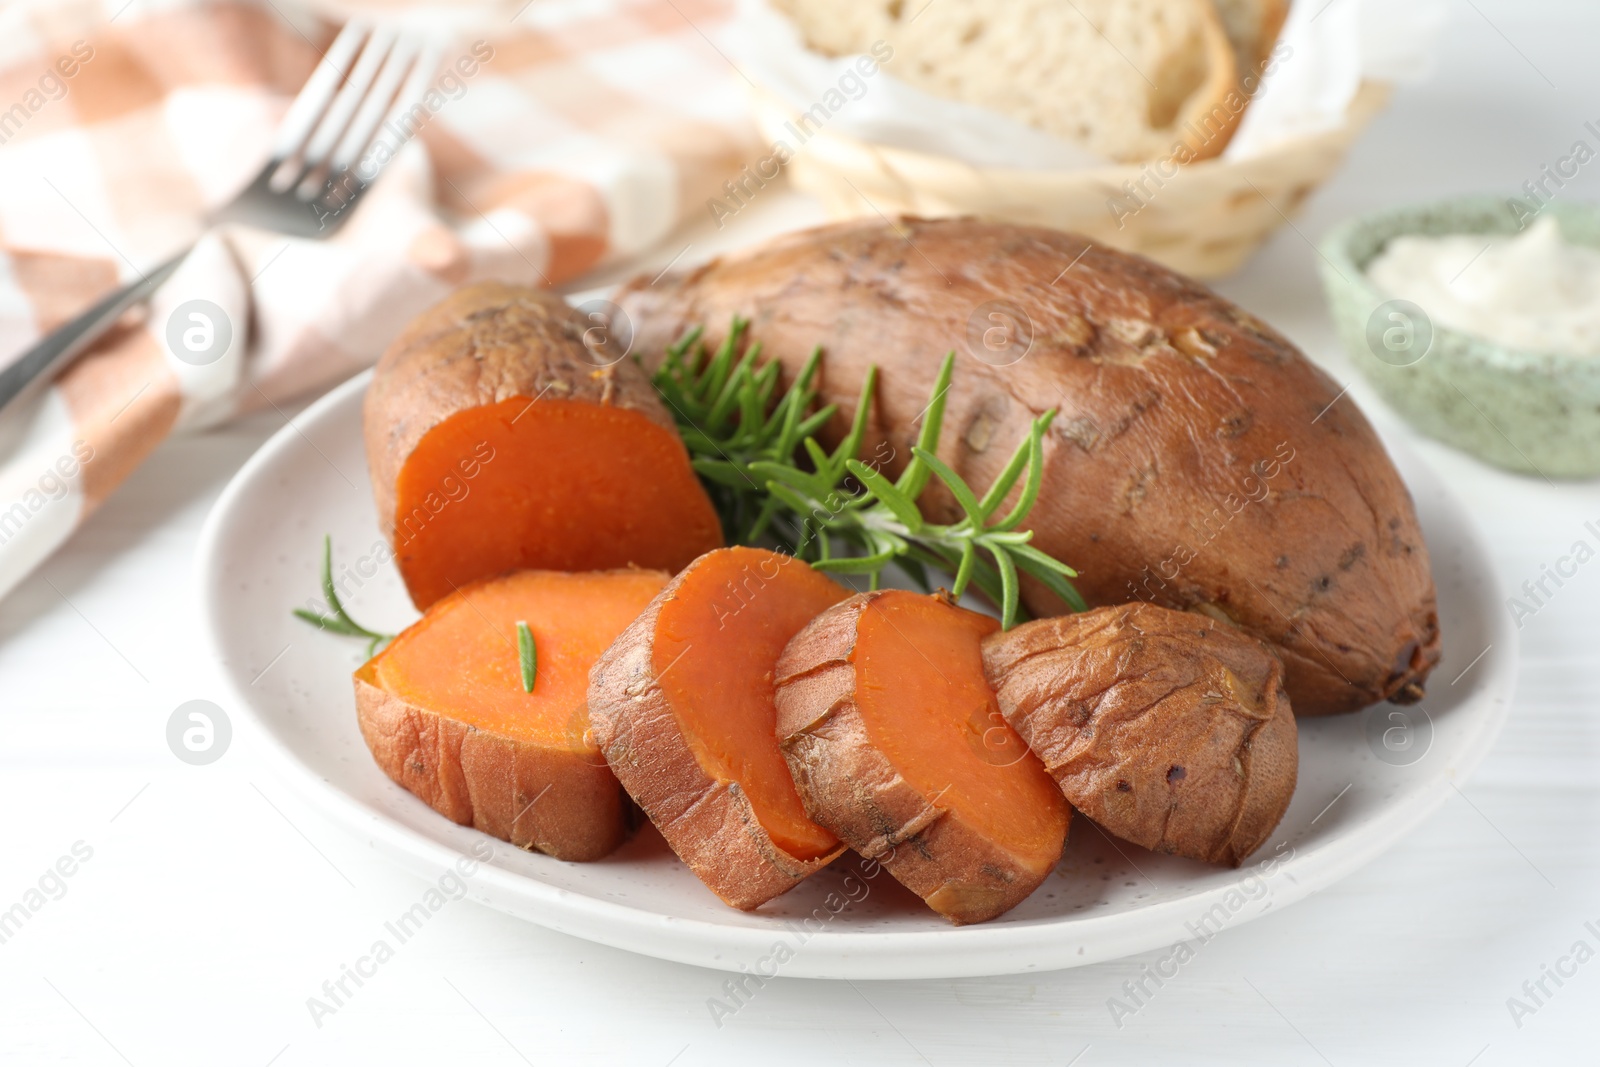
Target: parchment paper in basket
1331	45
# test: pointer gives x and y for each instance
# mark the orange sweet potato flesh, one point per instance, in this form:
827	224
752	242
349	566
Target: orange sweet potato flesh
497	442
721	656
444	711
683	707
572	486
896	744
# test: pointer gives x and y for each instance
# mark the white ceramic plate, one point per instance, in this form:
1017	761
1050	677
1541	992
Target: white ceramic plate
259	557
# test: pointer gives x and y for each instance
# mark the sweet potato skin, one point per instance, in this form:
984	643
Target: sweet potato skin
849	786
1170	730
554	801
1198	460
709	823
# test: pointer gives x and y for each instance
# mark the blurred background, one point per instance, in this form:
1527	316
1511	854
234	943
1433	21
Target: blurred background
576	144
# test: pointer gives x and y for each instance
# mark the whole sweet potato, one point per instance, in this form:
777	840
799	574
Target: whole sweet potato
1198	461
1168	729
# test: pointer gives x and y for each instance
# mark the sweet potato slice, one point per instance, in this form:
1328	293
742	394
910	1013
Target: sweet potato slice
445	713
682	706
497	441
1167	728
896	745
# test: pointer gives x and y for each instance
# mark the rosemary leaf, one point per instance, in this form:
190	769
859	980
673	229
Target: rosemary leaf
969	557
1008	586
914	479
1030	488
1053	581
1028	552
528	653
1020	459
904	507
869	565
958	488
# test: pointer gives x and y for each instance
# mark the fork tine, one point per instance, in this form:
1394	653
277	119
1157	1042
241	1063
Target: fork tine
318	90
416	86
350	95
373	105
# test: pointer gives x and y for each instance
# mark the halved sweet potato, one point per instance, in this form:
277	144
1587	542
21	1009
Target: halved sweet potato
682	707
1167	728
890	731
445	713
497	442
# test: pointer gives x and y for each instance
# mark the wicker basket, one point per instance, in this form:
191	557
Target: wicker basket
1205	220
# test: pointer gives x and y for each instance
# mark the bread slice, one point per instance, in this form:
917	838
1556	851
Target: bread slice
1252	27
1130	80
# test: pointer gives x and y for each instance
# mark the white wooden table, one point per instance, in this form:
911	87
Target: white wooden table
212	903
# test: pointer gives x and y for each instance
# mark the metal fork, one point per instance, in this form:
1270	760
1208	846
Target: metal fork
319	168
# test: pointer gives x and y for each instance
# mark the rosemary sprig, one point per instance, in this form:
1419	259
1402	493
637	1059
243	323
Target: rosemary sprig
747	448
339	621
528	653
726	414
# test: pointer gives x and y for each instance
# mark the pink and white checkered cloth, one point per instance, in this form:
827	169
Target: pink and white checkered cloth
583	134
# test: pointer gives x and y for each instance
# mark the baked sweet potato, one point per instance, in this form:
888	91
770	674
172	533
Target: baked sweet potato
682	707
890	731
1168	729
497	442
1198	461
446	714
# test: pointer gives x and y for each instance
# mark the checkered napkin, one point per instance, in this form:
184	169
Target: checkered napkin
583	134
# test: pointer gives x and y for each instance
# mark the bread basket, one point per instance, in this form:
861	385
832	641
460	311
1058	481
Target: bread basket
1204	220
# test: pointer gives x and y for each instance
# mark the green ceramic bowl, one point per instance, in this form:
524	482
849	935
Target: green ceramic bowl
1537	412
